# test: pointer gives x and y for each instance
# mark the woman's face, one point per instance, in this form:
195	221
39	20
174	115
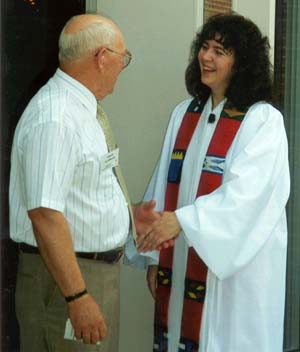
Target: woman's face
216	66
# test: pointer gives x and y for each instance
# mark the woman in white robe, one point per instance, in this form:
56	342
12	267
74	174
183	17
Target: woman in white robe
239	230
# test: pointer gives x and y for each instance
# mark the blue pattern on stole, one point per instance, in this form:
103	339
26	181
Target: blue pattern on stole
175	169
214	164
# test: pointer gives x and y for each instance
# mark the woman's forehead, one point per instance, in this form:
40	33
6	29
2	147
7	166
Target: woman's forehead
221	38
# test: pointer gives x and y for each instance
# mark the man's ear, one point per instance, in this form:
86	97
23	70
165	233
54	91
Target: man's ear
100	58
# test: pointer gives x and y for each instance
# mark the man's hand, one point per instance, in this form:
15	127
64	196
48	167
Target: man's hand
152	279
144	217
166	228
53	236
87	319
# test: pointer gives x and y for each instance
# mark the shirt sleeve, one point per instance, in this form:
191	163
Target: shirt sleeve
229	226
48	157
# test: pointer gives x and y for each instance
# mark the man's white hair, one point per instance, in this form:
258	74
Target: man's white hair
84	41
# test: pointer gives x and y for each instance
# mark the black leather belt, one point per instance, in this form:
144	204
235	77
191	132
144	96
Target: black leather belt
109	257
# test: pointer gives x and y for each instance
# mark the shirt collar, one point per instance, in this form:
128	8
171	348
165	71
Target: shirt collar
85	96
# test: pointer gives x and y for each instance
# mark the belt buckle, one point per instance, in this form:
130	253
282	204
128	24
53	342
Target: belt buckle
109	257
112	257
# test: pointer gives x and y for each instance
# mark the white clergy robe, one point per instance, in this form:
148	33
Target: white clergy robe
239	231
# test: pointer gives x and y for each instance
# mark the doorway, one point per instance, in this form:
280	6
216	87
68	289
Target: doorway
29	36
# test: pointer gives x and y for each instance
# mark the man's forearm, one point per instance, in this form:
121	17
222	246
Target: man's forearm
56	248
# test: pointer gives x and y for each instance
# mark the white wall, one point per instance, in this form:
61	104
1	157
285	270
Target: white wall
262	12
159	34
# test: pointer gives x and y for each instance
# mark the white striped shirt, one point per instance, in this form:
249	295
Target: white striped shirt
57	148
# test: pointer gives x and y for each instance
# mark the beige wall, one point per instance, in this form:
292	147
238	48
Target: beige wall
159	34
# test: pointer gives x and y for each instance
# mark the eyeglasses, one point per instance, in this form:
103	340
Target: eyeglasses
127	56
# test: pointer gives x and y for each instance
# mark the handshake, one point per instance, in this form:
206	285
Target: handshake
155	230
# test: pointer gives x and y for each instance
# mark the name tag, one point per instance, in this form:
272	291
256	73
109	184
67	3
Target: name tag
110	159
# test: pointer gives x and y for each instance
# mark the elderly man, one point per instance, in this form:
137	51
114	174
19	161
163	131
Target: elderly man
67	208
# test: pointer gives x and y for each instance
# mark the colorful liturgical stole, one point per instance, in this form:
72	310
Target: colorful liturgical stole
196	272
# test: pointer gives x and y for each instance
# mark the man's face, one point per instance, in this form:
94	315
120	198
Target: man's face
115	63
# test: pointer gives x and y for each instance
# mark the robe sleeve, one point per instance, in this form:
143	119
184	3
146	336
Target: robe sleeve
229	226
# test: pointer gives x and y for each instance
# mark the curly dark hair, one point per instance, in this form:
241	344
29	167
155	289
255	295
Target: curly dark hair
252	77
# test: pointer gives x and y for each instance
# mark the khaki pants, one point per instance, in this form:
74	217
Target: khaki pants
42	311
